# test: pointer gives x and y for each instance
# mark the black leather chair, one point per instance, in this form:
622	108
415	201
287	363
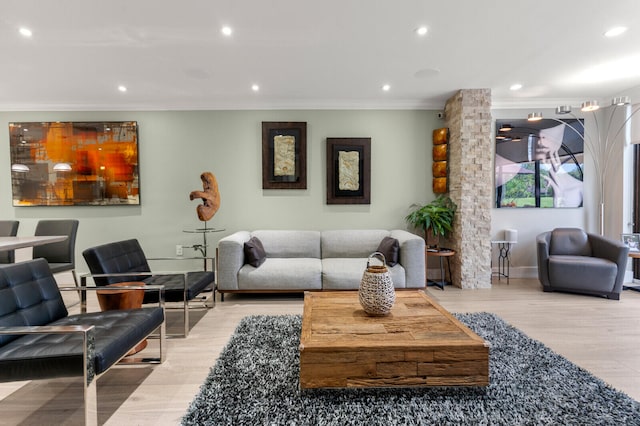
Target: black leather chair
8	228
572	260
124	261
61	255
40	340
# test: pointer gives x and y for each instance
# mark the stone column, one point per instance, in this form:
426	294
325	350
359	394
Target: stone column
468	117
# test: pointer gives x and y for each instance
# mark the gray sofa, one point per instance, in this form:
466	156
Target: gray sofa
314	260
572	260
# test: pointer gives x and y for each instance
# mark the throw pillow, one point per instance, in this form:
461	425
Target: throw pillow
254	253
390	248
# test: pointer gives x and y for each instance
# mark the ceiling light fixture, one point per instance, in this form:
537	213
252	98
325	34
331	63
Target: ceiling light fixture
227	31
563	109
588	106
26	32
615	31
255	87
534	116
386	87
621	100
421	31
122	88
516	86
505	128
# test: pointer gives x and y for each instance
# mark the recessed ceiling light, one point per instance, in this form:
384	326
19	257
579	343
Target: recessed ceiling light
421	31
255	87
26	32
122	88
615	31
226	31
516	86
386	87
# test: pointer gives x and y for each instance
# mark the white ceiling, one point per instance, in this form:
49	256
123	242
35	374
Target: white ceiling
312	54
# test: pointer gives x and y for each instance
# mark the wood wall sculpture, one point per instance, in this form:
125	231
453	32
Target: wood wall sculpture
440	157
210	197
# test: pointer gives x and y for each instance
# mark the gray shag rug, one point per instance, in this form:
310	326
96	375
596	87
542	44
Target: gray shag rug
255	382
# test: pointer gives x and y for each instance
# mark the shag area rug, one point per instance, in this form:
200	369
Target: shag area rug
255	382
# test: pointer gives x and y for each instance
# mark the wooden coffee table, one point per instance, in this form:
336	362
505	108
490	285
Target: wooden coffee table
418	344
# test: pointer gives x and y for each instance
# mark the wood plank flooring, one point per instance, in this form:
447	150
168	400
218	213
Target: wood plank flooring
600	335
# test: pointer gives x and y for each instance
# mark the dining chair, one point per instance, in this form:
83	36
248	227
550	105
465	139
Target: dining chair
60	255
8	228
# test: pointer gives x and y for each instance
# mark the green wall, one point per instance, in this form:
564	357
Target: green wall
176	146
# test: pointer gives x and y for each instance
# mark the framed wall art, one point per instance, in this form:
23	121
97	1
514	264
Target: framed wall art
540	163
632	241
284	155
348	170
74	163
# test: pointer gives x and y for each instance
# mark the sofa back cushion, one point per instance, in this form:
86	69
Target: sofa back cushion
29	296
351	243
569	241
116	258
284	243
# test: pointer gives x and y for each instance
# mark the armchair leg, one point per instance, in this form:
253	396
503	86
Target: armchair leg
186	317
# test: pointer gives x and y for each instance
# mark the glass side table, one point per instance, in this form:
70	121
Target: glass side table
202	248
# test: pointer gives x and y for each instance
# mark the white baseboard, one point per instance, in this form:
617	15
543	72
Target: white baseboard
521	272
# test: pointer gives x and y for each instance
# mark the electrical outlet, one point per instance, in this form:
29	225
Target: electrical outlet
178	249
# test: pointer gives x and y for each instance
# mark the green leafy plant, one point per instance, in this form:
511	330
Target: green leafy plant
435	217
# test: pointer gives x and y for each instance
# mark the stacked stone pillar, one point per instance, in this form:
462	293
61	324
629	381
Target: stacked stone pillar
468	117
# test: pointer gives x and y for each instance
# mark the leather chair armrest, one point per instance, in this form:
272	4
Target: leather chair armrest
542	248
614	250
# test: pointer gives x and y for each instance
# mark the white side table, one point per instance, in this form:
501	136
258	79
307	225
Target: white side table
504	262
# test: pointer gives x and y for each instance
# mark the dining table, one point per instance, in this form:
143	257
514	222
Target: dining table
13	243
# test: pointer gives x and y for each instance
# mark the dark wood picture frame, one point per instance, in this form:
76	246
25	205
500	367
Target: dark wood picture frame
284	155
353	189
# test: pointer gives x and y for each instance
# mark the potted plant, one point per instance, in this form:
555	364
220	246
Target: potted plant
435	218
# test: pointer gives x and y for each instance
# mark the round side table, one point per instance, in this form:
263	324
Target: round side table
441	255
113	300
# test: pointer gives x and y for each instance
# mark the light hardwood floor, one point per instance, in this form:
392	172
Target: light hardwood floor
600	335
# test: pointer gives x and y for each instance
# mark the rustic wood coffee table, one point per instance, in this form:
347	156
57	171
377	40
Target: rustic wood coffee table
418	344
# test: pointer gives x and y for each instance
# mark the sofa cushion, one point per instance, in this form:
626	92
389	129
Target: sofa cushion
288	244
390	249
357	243
282	274
254	253
346	273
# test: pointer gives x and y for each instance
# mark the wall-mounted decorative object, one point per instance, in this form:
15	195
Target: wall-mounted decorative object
440	160
539	163
348	170
284	155
74	163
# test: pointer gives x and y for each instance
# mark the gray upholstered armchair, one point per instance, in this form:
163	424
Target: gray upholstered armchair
572	260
